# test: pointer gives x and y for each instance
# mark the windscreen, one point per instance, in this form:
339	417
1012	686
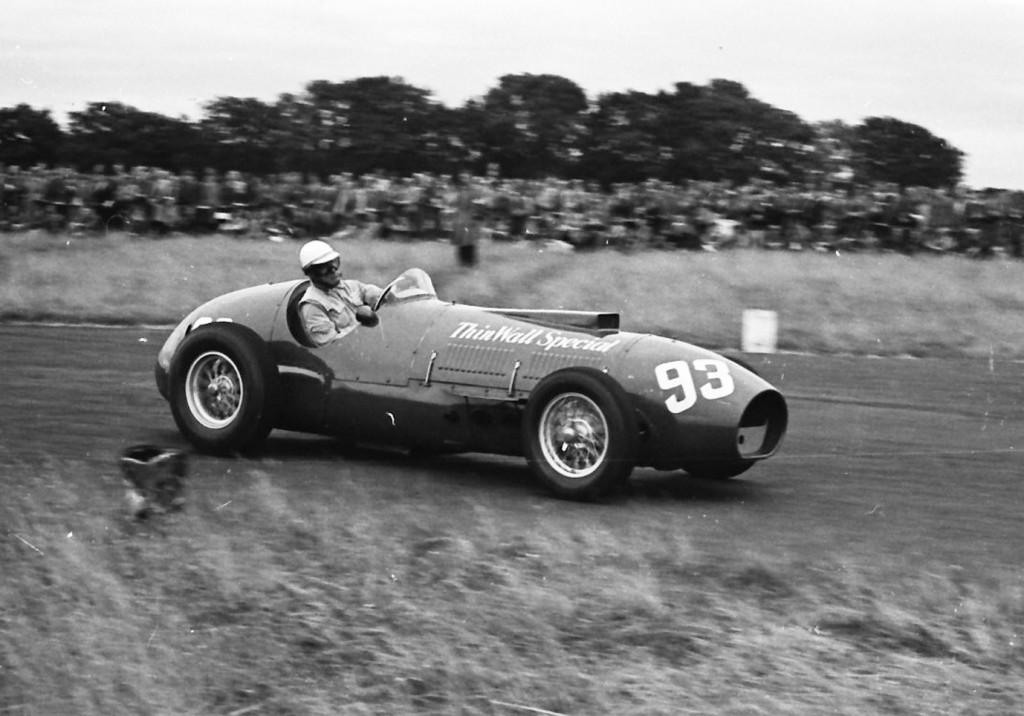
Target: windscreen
414	283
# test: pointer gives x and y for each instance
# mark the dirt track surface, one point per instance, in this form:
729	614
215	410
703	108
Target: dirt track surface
904	463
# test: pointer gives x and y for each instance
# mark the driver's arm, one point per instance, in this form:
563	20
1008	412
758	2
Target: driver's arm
320	327
370	294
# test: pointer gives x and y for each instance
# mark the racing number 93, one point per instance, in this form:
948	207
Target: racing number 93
677	377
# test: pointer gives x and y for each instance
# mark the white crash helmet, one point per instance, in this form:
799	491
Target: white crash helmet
316	252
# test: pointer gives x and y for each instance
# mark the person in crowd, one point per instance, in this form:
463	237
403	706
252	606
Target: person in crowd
428	208
333	306
466	221
209	205
142	207
102	198
163	199
343	201
187	200
234	202
4	196
57	199
35	186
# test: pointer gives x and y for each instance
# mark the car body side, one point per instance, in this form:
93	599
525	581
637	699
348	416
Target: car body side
446	377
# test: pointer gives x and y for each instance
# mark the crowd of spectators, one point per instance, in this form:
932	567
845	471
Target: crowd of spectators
698	215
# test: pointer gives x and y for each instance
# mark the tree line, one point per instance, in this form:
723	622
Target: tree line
527	126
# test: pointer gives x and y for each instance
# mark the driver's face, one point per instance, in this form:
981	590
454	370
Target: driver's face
327	275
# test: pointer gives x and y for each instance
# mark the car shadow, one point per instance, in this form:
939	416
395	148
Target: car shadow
492	475
465	470
678	486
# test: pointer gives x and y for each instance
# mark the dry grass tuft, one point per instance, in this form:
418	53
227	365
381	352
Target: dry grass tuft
282	604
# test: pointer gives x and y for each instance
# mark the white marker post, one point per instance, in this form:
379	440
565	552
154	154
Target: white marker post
760	331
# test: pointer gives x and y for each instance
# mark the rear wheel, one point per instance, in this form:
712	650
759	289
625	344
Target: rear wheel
580	437
223	388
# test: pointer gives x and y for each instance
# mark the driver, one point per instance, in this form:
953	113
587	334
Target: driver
332	306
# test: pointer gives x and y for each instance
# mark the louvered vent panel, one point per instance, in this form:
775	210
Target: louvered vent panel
541	363
462	362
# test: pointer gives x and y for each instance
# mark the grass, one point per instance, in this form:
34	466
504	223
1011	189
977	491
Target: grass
278	604
853	303
271	600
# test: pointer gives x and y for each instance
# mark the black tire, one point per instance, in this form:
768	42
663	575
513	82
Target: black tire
597	449
718	469
224	388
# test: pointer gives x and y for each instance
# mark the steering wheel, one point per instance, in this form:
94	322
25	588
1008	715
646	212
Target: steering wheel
384	294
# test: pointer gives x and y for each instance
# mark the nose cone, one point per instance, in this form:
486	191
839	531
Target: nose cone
762	425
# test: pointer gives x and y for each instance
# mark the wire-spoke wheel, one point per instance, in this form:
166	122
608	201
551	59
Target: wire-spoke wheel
573	435
214	390
580	436
223	388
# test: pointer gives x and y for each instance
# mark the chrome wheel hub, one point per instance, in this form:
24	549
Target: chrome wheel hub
213	390
573	435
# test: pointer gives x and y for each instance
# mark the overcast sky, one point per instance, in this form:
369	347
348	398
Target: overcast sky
953	67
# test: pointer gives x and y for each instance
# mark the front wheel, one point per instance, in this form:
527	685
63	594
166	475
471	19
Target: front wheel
223	388
580	437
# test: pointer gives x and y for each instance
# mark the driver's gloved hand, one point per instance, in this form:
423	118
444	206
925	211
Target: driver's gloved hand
366	316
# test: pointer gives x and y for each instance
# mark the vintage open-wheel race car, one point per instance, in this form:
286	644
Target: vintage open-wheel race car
583	401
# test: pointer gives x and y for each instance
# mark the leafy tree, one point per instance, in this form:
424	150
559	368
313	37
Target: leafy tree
461	139
28	136
485	139
622	141
246	134
371	123
889	150
721	132
833	152
699	127
114	133
532	125
728	88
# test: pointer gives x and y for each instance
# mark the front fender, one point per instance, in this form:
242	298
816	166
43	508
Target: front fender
694	404
255	307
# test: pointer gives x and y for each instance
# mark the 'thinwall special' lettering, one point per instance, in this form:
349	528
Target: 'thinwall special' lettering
540	337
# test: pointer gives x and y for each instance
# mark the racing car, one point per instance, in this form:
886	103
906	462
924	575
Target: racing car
583	401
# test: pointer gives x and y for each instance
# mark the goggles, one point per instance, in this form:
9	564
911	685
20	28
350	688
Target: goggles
327	267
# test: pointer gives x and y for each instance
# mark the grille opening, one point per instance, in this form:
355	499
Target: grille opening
762	426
